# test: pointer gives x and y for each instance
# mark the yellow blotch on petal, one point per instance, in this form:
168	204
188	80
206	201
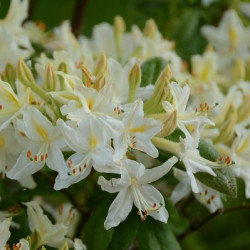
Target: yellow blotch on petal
2	141
93	142
139	129
41	131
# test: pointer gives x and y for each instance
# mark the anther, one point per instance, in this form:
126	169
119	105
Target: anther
28	153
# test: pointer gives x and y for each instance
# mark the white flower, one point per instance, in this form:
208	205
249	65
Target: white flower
4	232
207	196
240	155
42	144
9	148
11	104
231	38
9	49
17	13
51	235
186	119
133	188
137	132
92	147
78	245
194	163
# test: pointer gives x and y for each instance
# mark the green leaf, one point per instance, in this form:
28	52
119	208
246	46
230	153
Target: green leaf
96	237
225	181
208	151
175	136
151	69
176	221
156	235
125	233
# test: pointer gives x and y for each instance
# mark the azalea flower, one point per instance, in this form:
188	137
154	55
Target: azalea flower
4	232
190	156
11	104
17	13
185	118
207	196
137	132
49	234
231	38
133	188
92	147
42	144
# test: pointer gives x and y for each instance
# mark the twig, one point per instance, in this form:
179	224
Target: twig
196	225
78	16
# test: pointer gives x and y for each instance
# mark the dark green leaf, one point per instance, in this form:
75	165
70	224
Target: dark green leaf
151	70
96	237
176	221
156	235
125	233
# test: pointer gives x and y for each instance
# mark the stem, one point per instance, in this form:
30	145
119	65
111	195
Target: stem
78	16
196	225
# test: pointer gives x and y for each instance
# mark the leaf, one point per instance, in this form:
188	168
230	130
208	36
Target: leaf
151	70
156	235
125	233
176	221
96	237
175	136
225	181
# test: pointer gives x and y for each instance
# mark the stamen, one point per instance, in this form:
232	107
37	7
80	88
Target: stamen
29	153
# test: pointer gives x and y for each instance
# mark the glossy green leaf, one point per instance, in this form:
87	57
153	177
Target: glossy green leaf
156	235
176	221
151	69
125	233
96	237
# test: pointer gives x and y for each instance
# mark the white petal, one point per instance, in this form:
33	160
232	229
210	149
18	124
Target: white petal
153	196
119	209
156	173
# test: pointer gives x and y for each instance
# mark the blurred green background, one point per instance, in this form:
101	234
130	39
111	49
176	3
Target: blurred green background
178	20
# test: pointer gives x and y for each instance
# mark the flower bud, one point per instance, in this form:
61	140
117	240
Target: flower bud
243	111
64	68
119	30
50	78
99	82
24	74
239	70
161	92
228	126
150	29
9	75
247	78
134	80
86	76
101	66
169	124
119	26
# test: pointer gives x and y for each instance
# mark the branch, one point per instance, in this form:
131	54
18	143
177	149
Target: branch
196	225
78	16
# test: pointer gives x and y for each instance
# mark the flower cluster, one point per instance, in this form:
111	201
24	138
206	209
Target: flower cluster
89	105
